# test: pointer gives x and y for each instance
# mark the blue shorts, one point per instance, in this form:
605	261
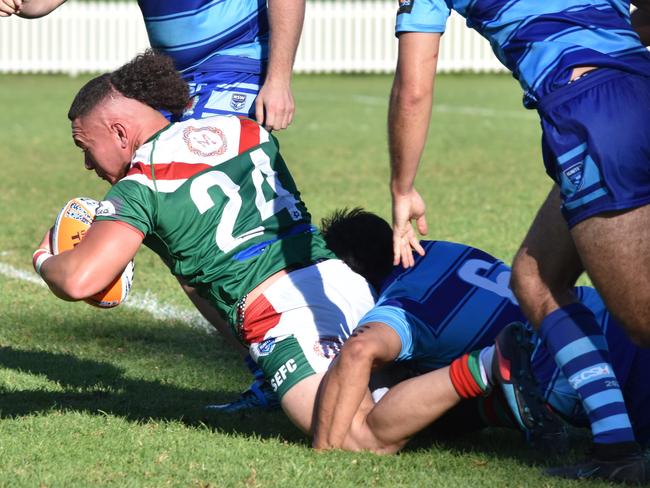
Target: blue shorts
596	142
222	93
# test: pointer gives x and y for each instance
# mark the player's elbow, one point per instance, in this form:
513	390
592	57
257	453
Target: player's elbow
412	97
77	285
357	353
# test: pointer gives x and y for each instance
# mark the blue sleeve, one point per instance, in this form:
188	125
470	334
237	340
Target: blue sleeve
421	16
397	319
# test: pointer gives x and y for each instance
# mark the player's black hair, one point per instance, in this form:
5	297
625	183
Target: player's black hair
363	240
150	78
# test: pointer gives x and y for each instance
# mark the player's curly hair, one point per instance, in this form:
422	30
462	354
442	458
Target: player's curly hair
150	78
363	240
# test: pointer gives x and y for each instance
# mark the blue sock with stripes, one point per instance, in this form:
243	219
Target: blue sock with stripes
579	347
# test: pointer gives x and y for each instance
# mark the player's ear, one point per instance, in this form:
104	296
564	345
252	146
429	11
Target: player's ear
119	130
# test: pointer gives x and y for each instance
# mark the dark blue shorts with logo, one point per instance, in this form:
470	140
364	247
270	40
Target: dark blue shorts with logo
596	142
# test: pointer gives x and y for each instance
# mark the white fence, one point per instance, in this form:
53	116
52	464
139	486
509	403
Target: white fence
338	37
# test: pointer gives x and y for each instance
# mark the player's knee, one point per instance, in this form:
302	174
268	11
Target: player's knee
525	282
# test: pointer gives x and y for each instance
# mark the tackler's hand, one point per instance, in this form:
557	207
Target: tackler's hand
10	7
407	207
274	106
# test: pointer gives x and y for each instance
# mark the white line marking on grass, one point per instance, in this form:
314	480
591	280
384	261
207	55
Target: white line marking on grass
456	109
146	302
19	274
485	112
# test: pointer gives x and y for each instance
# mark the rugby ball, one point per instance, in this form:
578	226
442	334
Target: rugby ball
69	229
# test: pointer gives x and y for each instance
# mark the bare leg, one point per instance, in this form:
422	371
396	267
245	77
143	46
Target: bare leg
547	264
298	402
412	405
616	253
544	272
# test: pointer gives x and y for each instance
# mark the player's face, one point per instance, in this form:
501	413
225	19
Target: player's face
103	149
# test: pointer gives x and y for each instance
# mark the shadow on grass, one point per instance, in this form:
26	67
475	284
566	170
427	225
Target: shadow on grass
461	431
97	387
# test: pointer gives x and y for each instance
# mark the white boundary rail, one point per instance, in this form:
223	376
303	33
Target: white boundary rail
348	36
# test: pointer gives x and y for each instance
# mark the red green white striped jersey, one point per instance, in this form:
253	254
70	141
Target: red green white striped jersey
214	199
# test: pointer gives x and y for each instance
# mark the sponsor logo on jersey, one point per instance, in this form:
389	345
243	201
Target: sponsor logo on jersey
282	373
237	101
205	141
574	174
405	6
327	347
105	208
266	347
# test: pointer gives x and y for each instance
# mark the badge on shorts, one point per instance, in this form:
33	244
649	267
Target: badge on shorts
574	174
238	101
266	347
405	6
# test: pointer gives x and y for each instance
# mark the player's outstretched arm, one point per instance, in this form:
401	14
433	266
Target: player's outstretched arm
274	106
408	124
344	399
29	9
93	263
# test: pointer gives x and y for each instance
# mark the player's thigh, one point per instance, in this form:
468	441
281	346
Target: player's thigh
547	264
298	402
615	252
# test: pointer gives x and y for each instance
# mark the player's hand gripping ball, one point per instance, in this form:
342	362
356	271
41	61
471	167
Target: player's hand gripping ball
69	229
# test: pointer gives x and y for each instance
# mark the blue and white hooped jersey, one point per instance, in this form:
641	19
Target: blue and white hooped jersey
209	35
540	41
453	300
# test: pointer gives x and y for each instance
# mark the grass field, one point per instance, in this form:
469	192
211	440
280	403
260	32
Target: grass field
114	398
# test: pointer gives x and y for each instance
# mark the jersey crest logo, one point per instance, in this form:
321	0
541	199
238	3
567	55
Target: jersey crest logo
237	101
574	175
405	6
205	141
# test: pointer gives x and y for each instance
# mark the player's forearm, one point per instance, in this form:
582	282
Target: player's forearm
66	279
409	110
285	22
408	125
342	391
32	9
